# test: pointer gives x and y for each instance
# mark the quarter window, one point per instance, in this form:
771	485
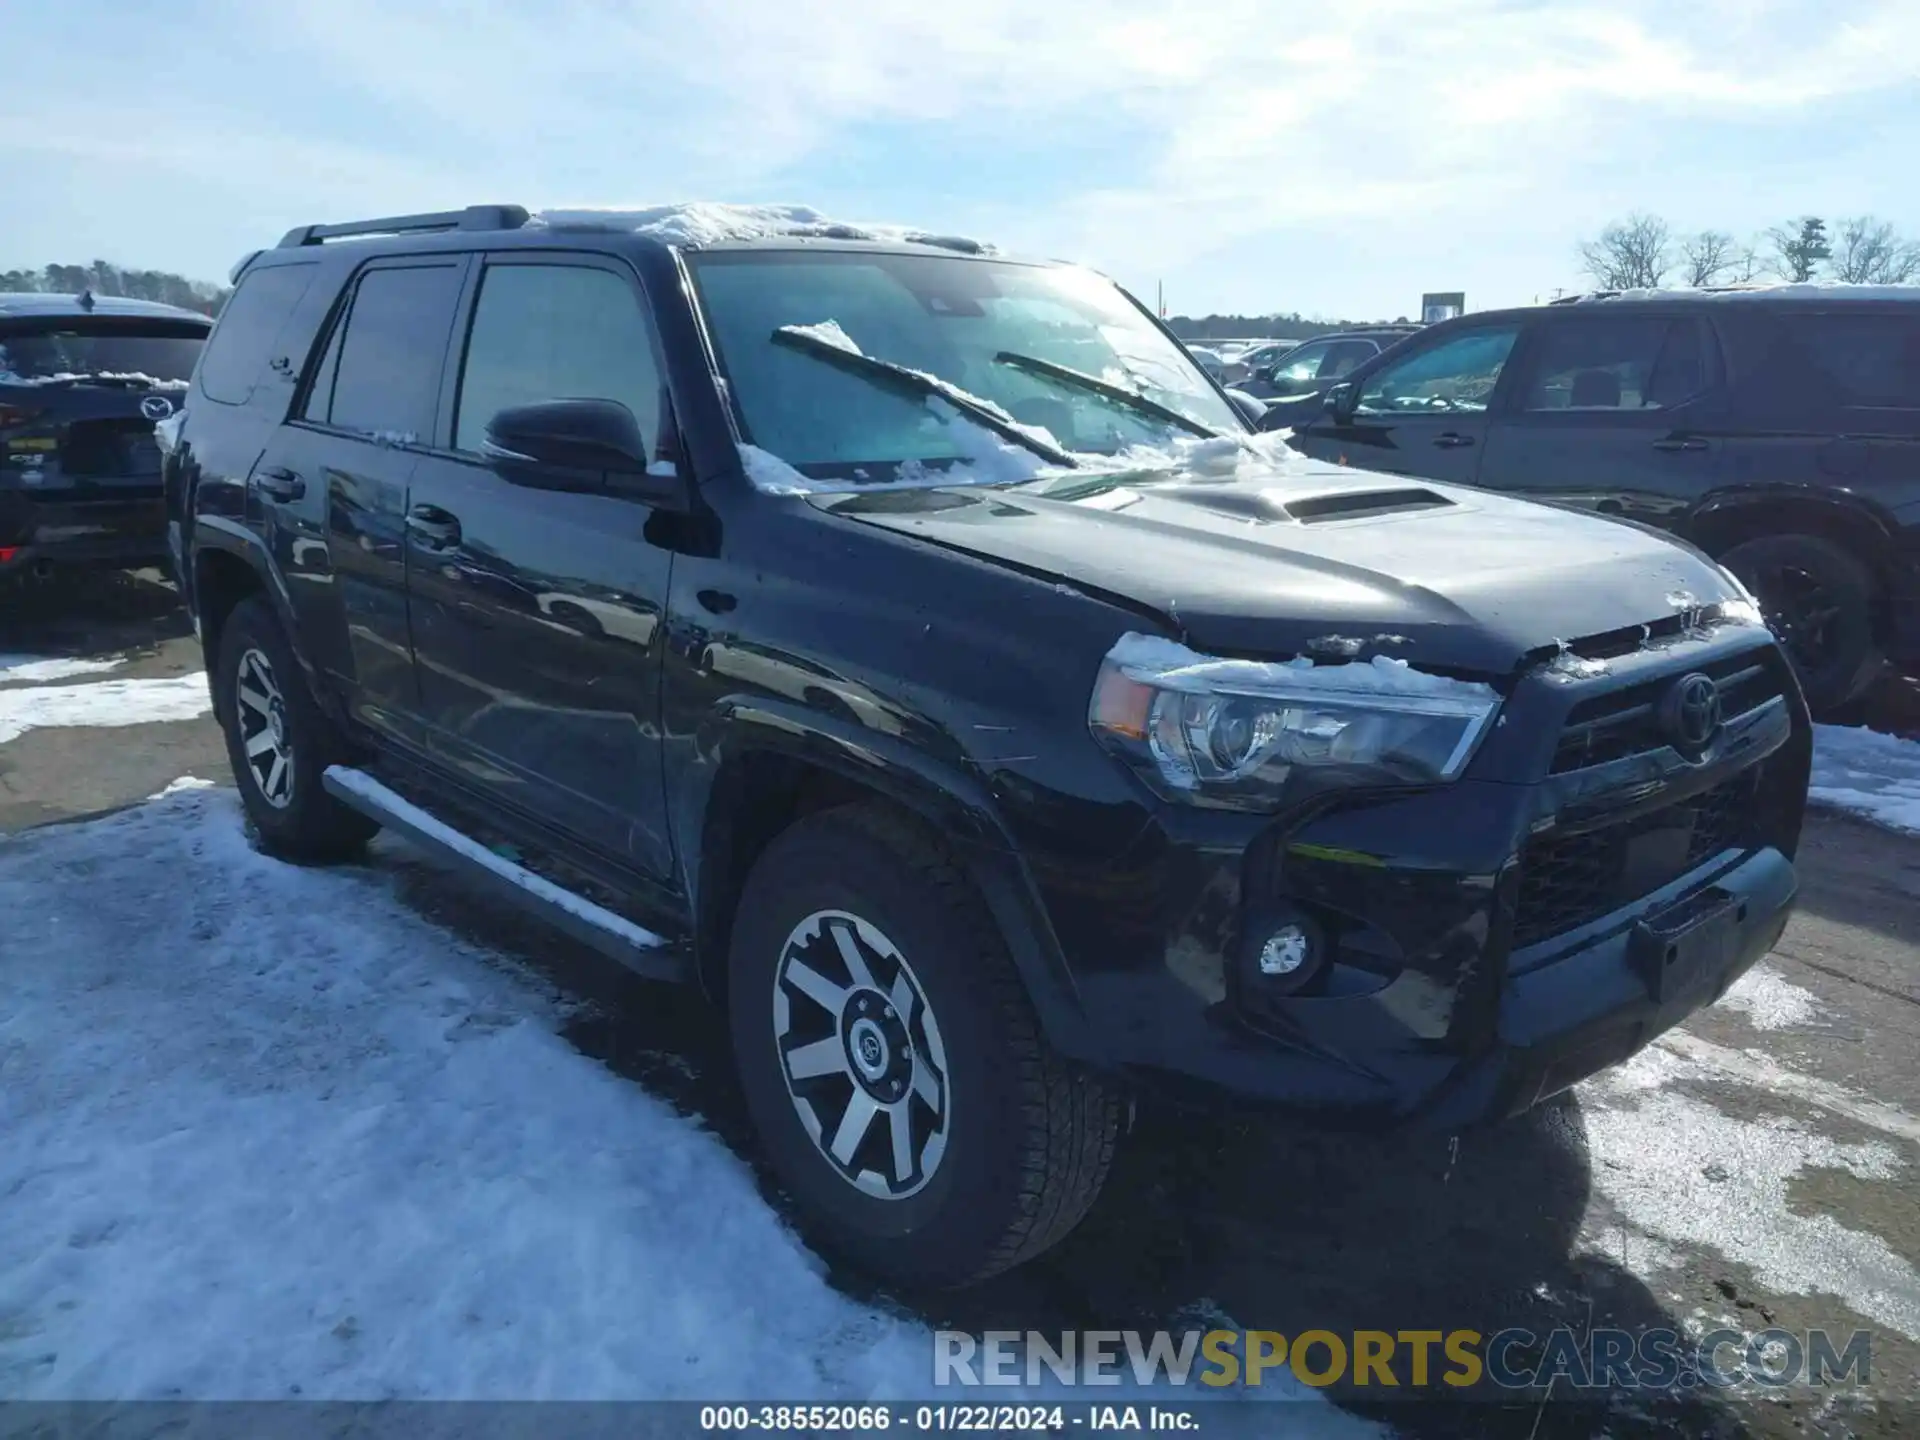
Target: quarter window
249	328
557	332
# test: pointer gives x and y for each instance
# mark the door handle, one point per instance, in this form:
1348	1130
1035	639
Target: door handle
1680	442
1452	440
276	482
433	528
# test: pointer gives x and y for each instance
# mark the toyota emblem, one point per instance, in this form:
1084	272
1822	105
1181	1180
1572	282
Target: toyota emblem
1692	711
156	407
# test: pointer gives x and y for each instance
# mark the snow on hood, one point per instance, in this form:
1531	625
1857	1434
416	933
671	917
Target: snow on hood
1174	666
709	222
990	460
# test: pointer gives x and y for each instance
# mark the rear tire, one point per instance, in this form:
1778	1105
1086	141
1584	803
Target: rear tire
280	743
1818	598
966	1145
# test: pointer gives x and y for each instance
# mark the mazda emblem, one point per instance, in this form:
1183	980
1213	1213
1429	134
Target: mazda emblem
1691	711
156	407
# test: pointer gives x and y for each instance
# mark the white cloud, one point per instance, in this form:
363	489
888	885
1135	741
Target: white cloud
1249	120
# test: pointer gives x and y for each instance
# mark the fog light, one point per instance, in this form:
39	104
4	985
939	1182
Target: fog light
1285	951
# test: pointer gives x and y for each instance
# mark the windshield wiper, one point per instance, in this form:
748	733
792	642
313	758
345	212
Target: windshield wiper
1094	385
923	386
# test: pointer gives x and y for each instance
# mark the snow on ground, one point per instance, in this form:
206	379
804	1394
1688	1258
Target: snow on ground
263	1127
104	702
1870	774
1770	1001
1676	1170
32	669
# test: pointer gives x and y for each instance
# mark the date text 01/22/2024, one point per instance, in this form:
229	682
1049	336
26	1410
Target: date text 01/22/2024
979	1419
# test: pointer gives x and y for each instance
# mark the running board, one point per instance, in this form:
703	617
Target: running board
614	936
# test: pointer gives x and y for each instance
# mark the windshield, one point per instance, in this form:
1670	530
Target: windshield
130	353
1024	338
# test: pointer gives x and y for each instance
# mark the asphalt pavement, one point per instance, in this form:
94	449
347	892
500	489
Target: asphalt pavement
1754	1170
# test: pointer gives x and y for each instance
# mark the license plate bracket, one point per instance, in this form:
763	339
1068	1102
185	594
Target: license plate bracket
1680	949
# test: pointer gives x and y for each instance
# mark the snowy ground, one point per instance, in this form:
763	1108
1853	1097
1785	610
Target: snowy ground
1872	775
267	1133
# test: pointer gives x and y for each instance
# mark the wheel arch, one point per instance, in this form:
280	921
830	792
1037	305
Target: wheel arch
763	766
1728	519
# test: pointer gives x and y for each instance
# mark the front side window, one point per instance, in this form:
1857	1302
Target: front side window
1302	364
556	332
1457	374
388	378
988	328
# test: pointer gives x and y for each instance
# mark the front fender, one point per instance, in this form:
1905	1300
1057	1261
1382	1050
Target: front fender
945	796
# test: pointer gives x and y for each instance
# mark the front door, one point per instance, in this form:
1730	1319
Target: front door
1423	412
1618	413
536	613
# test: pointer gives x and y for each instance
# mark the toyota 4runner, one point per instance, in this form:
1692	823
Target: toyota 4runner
992	721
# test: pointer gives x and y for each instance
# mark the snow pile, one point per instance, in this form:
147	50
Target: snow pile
32	670
105	702
707	222
266	1132
1172	666
827	332
117	377
1872	775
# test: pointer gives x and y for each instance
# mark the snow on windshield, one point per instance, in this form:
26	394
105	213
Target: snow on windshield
708	222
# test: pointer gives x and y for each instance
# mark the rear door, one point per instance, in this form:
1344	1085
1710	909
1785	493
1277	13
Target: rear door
536	612
1613	410
1425	410
330	491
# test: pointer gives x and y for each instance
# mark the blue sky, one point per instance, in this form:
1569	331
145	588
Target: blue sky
1250	155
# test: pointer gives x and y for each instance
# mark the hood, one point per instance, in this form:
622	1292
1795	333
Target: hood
1286	559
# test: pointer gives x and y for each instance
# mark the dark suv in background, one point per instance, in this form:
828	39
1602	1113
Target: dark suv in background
1776	428
83	380
917	639
1316	365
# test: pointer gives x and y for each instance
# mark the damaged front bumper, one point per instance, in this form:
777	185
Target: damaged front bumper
1475	947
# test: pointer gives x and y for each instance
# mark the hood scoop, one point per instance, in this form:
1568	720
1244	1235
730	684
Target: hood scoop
1363	504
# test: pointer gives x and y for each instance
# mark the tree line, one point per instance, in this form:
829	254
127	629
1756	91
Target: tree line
1645	252
103	278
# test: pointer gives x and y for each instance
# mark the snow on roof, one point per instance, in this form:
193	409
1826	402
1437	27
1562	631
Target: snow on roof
1781	290
708	222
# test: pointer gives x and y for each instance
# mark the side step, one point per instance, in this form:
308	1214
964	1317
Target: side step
614	936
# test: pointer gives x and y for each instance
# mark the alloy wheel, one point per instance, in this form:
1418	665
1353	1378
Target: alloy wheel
1800	611
260	709
861	1054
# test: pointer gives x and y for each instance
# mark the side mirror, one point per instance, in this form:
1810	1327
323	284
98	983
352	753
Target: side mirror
583	445
1251	410
1339	402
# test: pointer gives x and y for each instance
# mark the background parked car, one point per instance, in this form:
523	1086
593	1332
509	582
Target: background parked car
82	383
1310	368
1256	356
1777	429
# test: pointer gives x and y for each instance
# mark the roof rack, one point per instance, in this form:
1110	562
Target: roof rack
474	217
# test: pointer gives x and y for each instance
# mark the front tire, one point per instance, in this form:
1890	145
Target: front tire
893	1064
280	743
1818	598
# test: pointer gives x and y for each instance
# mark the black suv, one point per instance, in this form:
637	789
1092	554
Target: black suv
1776	428
82	382
923	645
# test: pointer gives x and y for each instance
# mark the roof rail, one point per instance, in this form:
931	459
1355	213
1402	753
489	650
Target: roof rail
474	217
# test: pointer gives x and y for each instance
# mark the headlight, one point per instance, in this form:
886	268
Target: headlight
1236	733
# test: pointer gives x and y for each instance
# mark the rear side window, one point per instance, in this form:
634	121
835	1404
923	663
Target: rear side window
557	332
1595	364
249	330
386	376
1871	360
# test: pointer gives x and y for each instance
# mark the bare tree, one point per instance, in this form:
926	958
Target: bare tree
1631	254
1746	265
1709	258
1870	252
1799	247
